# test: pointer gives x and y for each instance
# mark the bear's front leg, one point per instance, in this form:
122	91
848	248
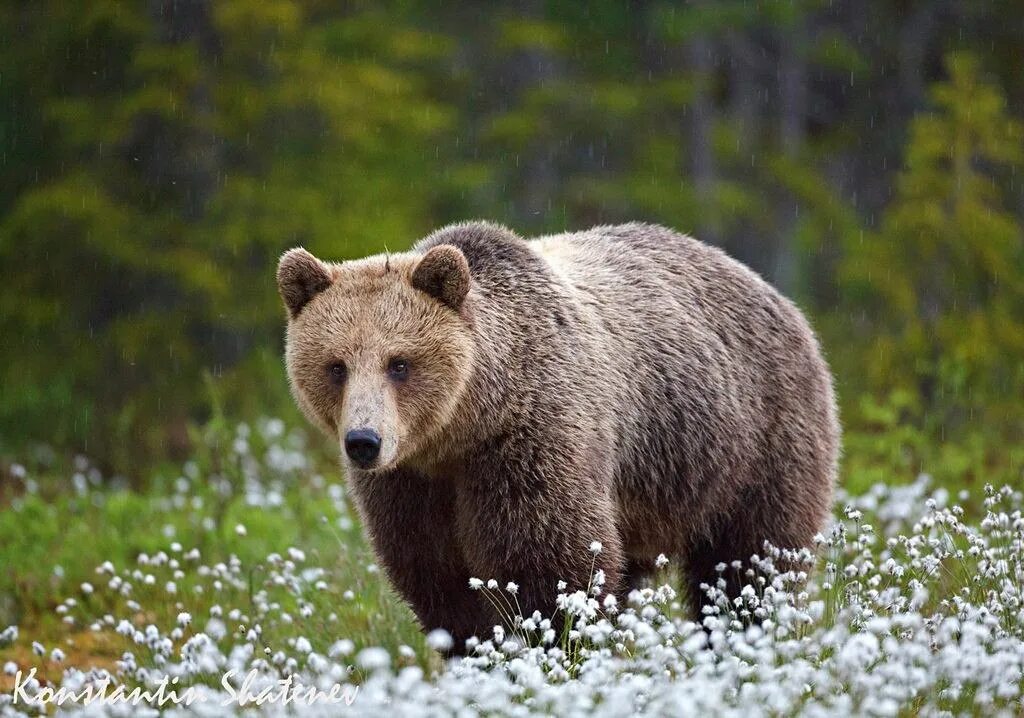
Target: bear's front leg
530	516
410	522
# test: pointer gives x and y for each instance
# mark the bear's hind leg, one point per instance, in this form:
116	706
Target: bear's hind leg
731	547
636	575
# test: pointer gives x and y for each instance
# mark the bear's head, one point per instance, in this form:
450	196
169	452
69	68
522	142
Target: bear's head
379	350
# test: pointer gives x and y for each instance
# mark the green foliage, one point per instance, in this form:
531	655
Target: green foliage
156	158
245	494
179	156
939	288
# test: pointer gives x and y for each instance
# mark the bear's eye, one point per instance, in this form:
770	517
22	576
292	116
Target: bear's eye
337	372
398	369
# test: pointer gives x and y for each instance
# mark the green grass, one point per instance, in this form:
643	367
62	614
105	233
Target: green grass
55	536
263	547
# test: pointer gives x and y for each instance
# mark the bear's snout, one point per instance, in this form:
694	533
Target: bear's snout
362	446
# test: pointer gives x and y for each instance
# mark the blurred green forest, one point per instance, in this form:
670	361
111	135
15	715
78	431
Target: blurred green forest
157	157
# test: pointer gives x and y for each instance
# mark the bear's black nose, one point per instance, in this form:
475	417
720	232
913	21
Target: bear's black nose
362	446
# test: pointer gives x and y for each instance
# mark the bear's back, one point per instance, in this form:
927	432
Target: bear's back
649	284
660	291
708	369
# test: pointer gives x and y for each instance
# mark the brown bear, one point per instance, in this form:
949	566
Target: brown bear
501	403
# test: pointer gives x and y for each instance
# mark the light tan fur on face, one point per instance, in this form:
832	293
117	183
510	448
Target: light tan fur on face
369	315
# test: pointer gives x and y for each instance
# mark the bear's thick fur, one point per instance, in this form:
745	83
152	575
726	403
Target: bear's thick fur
625	384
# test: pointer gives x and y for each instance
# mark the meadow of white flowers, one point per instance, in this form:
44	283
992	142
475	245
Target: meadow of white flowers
902	608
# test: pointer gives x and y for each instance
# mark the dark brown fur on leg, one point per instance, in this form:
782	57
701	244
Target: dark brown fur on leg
702	569
411	524
530	518
731	545
636	575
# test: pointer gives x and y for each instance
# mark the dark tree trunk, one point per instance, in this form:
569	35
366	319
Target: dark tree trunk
539	174
744	240
186	161
700	123
792	132
744	89
914	38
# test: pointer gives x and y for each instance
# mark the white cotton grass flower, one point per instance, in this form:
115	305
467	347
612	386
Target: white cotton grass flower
341	648
373	659
241	530
440	640
8	635
596	547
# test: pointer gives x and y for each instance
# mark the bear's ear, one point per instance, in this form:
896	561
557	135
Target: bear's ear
443	273
300	277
